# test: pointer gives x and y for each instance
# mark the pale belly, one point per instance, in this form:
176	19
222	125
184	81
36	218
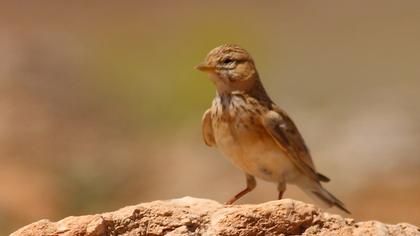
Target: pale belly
254	151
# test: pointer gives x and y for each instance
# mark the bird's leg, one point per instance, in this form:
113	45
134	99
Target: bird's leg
251	183
281	187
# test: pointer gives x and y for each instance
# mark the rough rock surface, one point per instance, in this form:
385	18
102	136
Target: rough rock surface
191	216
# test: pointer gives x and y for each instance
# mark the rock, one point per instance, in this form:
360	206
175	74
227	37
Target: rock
192	216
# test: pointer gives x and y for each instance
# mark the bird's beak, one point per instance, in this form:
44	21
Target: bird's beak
205	67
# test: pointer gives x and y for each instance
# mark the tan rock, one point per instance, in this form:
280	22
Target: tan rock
191	216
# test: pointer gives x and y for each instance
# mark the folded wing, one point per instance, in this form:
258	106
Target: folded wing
285	133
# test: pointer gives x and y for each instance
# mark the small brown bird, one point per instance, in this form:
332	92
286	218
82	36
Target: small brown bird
253	132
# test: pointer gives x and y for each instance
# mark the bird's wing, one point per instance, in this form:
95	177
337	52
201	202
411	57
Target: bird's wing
285	133
207	129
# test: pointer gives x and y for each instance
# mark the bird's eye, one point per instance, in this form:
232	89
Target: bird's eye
227	61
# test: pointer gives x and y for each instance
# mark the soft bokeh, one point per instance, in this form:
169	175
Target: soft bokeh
101	107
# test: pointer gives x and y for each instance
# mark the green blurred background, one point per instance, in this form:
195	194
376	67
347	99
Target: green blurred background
101	107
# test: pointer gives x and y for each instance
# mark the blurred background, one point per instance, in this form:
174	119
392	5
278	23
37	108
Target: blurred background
100	106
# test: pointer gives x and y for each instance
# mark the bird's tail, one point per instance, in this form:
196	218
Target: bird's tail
319	193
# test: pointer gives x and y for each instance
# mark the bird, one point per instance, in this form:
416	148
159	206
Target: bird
252	132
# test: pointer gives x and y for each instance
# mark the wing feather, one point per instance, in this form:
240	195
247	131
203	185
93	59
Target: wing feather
279	125
207	129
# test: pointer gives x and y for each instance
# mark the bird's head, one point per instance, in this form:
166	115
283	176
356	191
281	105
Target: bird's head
230	68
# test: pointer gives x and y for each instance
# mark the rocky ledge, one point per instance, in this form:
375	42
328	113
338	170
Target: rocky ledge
192	216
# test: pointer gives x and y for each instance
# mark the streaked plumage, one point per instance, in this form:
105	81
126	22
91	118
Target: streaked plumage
254	133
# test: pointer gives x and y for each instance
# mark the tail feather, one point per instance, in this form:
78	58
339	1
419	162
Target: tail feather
327	198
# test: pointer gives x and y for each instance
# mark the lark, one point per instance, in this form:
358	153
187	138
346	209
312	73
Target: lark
253	132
